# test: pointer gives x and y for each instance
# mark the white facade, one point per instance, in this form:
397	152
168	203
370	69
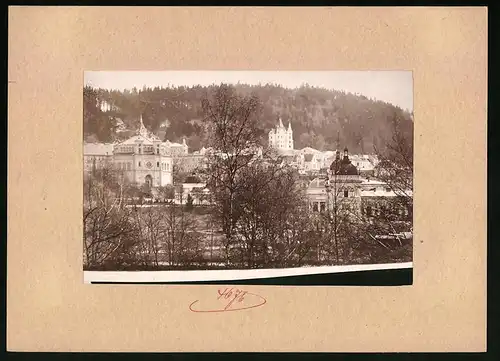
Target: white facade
97	155
281	137
377	188
347	193
365	163
144	159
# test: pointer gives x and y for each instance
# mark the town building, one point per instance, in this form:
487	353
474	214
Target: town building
190	162
193	186
343	188
97	155
281	137
365	164
145	159
339	189
378	199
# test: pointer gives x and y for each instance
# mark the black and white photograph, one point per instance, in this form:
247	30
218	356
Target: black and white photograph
227	175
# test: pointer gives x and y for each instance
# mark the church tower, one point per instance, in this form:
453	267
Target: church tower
142	130
281	137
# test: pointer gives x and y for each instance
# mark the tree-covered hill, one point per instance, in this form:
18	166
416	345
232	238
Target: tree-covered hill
319	116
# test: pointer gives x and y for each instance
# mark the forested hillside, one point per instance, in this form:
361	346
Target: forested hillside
319	116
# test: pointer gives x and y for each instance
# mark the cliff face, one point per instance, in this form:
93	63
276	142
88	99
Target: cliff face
318	116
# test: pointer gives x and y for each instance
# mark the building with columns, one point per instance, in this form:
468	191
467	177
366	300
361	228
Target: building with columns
363	198
144	159
281	137
340	189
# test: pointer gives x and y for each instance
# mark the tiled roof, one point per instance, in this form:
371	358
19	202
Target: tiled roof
97	149
138	138
309	150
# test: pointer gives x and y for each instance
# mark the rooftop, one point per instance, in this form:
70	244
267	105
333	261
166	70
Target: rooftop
97	148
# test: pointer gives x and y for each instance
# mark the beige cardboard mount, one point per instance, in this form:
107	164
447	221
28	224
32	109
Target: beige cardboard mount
51	309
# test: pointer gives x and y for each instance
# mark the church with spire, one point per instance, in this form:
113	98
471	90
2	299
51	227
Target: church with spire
146	159
281	137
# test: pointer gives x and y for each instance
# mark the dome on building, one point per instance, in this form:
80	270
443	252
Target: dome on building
349	169
343	166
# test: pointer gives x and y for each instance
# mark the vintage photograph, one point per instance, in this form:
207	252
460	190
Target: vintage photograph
246	170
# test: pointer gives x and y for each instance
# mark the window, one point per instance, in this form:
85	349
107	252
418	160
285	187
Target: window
139	164
315	207
322	206
346	193
158	164
369	211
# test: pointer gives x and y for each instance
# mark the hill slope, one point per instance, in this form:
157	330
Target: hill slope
318	116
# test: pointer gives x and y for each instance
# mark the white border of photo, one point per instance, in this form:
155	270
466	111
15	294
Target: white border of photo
229	275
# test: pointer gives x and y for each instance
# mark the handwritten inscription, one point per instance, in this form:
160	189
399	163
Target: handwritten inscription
228	299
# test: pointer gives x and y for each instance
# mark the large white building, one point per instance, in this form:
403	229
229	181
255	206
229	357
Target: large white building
281	137
97	155
143	158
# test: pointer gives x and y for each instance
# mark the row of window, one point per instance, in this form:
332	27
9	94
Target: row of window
126	149
97	158
370	211
321	206
150	150
124	165
128	165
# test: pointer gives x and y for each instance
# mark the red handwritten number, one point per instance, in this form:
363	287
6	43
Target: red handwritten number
238	295
233	295
223	293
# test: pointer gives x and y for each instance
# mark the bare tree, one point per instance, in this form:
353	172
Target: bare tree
272	225
179	172
233	130
180	238
165	193
335	223
109	233
395	166
198	195
151	231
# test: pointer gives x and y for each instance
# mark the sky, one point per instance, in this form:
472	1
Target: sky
395	87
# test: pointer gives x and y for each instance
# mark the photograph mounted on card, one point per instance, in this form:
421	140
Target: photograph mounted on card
248	177
267	179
